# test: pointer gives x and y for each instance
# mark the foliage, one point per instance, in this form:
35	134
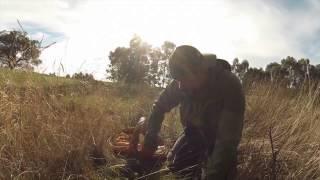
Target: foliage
130	64
275	70
293	73
254	75
140	63
82	76
17	50
240	69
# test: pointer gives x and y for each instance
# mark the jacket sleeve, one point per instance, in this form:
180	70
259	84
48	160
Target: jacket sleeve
167	100
224	156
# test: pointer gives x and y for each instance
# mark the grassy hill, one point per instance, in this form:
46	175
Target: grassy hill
49	125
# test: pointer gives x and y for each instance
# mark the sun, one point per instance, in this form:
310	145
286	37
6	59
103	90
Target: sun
98	27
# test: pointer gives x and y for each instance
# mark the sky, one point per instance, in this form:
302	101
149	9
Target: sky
85	31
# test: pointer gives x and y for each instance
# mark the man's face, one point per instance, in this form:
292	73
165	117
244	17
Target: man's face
189	77
190	83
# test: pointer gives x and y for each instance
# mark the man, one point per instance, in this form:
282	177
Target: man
212	108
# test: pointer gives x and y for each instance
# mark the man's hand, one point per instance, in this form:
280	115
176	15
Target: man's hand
146	153
149	147
132	151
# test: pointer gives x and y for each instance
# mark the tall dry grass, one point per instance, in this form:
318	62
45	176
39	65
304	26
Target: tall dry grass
281	135
54	128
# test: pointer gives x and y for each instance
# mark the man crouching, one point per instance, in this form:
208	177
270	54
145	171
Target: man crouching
212	106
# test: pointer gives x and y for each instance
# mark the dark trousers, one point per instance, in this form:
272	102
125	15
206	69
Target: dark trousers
188	155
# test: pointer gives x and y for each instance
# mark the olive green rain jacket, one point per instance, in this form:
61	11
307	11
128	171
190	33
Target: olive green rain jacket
217	112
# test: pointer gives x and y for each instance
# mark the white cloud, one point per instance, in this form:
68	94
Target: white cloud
260	31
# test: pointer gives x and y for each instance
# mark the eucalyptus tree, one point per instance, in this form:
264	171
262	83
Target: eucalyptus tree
17	50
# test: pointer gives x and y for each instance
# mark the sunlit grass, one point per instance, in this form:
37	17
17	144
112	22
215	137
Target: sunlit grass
49	126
